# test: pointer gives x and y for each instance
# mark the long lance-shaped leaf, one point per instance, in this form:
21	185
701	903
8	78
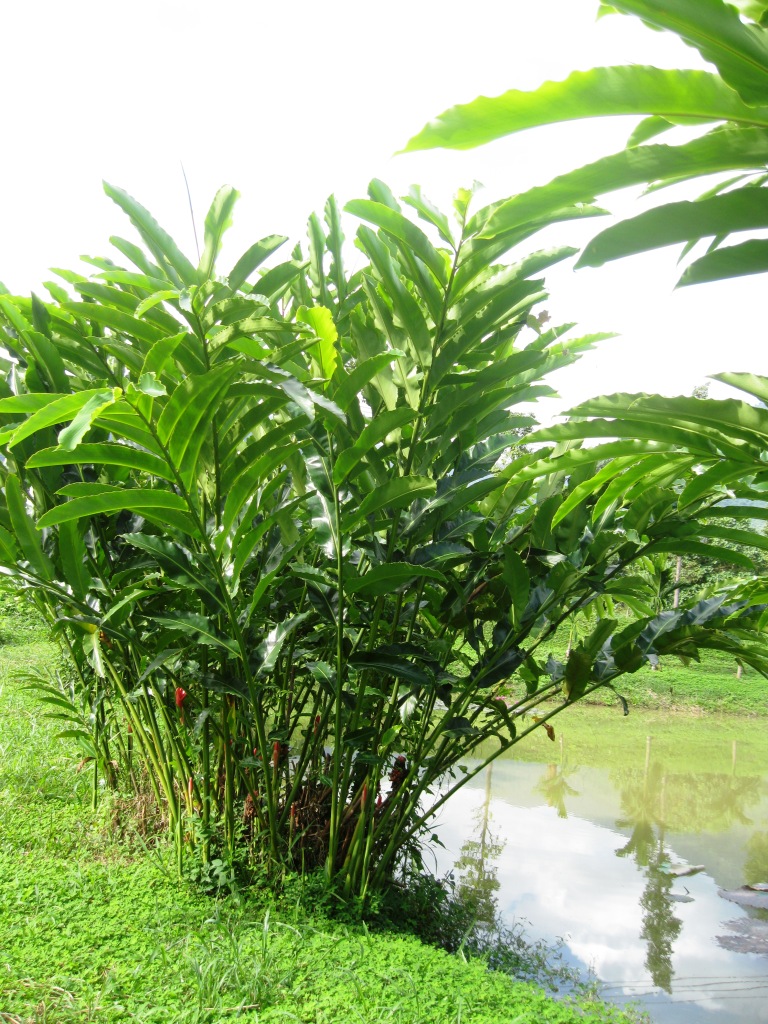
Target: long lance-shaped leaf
72	554
116	320
105	454
691	436
252	258
398	493
741	210
158	241
45	354
731	261
403	230
372	434
58	409
601	92
383	579
184	420
24	529
693	547
151	504
738	51
199	627
751	383
405	306
736	419
726	150
217	220
335	244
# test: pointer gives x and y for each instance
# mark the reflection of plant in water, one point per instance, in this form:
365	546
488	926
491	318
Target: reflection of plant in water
555	787
692	803
506	948
476	866
644	804
660	925
756	864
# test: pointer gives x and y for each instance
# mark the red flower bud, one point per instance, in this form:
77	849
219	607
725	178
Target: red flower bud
365	795
191	786
275	754
181	696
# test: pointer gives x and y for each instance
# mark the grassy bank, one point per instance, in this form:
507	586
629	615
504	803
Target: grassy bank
99	930
711	685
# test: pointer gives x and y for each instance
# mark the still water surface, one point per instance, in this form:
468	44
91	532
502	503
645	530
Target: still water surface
590	839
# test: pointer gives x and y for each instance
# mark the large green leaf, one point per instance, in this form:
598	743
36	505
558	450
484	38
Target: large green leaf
606	91
371	435
59	409
741	210
199	627
739	51
24	529
397	494
184	422
154	504
384	579
731	261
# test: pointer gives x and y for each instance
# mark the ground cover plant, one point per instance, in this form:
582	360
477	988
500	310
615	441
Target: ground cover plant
103	931
267	515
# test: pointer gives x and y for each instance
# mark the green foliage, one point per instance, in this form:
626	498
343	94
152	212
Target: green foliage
270	523
735	99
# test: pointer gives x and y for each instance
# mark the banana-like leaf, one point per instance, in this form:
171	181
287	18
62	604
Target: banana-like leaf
184	422
606	91
320	320
405	306
397	494
751	383
713	551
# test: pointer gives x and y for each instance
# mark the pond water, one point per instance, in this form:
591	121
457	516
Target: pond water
619	838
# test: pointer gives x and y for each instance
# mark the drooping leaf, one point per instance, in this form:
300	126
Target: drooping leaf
599	92
740	210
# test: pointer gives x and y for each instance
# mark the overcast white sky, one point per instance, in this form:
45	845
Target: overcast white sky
290	102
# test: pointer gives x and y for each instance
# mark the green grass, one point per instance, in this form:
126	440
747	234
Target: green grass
99	930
